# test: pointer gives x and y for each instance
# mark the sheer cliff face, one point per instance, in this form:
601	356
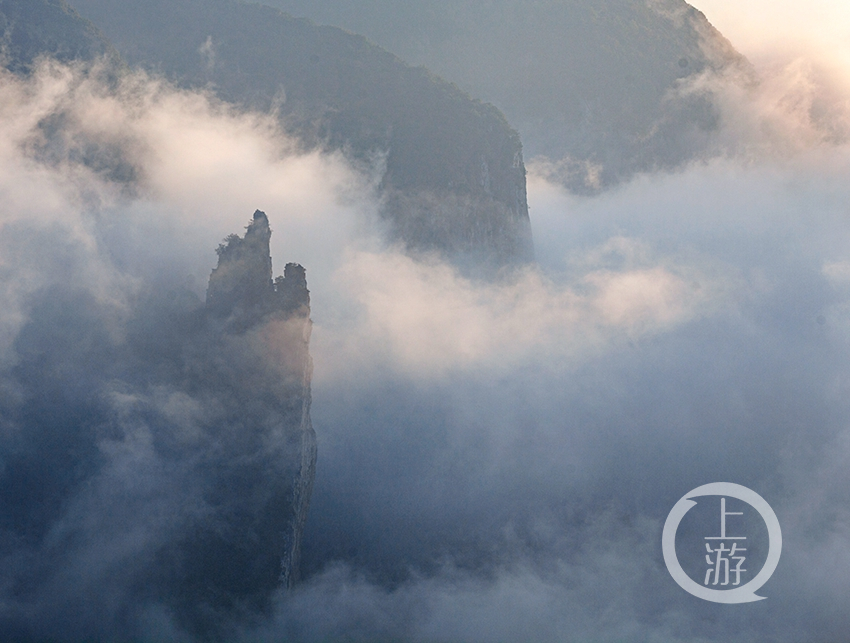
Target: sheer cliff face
163	457
261	452
453	173
593	86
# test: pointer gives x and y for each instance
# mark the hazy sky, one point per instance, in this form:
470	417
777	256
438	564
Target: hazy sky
758	27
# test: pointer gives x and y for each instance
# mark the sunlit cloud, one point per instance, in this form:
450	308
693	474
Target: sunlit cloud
762	27
426	317
536	420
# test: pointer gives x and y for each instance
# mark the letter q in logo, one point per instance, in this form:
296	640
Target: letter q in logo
738	593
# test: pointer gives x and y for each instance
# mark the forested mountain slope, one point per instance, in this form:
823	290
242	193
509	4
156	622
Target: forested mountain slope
31	28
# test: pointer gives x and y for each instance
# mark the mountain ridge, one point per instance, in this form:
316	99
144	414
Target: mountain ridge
33	28
454	180
595	89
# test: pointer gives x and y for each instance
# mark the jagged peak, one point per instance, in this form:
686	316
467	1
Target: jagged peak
241	284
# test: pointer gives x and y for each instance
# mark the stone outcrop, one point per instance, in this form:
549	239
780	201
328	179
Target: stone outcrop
242	291
242	282
258	460
161	459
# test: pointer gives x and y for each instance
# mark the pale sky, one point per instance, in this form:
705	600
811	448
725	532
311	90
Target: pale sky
759	27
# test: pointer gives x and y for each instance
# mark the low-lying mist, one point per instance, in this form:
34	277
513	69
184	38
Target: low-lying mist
496	457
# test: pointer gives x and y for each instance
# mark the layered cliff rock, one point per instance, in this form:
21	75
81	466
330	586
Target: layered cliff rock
453	180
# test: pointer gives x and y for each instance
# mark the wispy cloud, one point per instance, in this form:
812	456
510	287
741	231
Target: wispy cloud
496	457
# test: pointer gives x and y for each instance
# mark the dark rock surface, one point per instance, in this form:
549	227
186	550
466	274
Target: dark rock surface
454	179
591	85
264	453
33	28
162	459
242	284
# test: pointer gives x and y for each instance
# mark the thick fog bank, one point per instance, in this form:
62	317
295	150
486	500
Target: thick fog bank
496	457
151	448
500	464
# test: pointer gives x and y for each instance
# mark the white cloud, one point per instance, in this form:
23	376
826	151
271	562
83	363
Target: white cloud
426	318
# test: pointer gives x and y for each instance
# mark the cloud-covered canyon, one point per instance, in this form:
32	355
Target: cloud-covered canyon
496	456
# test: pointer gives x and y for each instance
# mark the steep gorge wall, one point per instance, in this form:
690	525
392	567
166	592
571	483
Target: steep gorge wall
593	86
454	177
